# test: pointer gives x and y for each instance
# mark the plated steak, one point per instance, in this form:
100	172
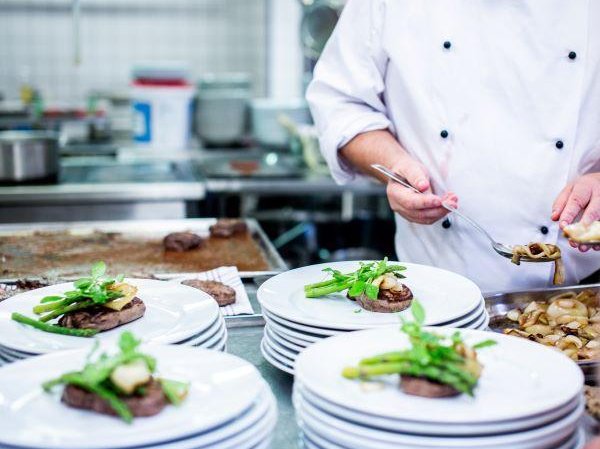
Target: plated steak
388	301
228	227
223	294
420	386
182	241
152	403
103	318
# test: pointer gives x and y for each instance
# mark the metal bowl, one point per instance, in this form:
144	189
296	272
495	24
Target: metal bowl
499	304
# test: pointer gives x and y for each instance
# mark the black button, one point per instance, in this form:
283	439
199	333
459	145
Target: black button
559	144
444	134
447	45
446	223
572	55
544	230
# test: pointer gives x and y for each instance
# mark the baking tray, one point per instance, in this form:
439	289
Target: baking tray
499	304
64	251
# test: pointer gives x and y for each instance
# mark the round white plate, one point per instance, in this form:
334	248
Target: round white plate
273	360
313	440
217	329
473	320
309	400
308	338
216	340
280	349
446	297
241	431
283	341
519	378
222	387
174	312
312	330
344	432
206	333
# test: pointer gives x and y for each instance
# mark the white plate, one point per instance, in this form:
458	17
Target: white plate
222	387
280	349
216	340
312	440
273	335
241	431
273	360
308	338
519	379
174	312
207	333
342	432
217	329
446	297
309	400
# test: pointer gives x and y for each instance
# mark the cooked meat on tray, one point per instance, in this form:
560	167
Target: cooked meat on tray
583	233
542	250
63	255
434	366
375	286
227	227
121	385
182	241
97	303
569	322
223	294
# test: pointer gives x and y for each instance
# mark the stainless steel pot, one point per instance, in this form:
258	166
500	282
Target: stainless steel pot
28	156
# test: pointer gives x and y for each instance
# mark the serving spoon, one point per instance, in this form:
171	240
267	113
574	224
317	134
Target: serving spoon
500	248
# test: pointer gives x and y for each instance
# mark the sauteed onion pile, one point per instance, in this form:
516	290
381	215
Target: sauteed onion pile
569	322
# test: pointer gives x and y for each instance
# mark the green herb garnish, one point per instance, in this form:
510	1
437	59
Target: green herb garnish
357	282
95	377
447	360
89	291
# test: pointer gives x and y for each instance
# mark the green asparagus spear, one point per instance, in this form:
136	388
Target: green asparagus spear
53	328
62	310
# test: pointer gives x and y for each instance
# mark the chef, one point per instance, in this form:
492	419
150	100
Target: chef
492	106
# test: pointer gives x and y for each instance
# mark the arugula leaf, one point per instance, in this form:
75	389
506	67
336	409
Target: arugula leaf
372	291
128	343
418	312
357	289
485	344
98	269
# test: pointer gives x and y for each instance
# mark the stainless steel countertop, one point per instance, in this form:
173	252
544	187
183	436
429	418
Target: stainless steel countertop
105	179
109	180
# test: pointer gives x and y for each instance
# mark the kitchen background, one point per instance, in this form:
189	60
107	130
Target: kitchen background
245	147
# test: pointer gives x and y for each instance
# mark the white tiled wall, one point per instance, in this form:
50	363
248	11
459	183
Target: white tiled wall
37	42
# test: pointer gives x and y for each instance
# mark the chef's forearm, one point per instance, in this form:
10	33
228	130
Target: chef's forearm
373	147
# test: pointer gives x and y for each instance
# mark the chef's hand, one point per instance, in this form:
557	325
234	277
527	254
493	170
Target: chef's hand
594	444
419	208
580	196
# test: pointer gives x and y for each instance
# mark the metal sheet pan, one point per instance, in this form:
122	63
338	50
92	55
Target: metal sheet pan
20	257
499	304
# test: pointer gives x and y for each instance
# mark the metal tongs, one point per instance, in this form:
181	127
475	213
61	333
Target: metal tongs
500	248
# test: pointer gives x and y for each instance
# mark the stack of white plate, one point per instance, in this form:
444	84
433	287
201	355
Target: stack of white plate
528	397
295	322
175	314
229	406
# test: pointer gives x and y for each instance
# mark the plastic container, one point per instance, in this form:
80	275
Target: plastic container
162	113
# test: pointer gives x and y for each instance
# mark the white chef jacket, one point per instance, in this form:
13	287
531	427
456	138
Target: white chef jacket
507	83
